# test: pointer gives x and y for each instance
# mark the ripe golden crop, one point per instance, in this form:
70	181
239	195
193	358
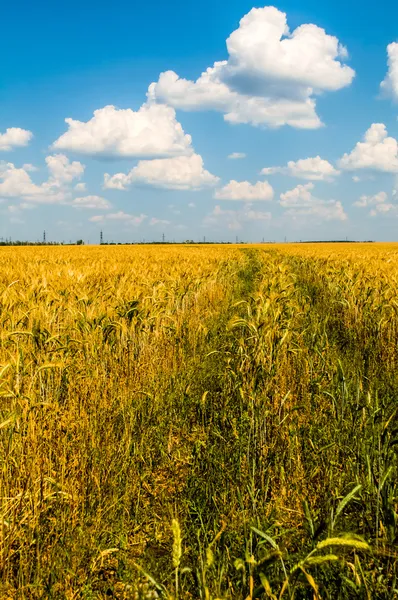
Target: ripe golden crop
246	395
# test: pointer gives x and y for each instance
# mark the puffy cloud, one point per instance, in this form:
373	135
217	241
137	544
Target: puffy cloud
91	202
127	218
150	132
16	182
386	207
234	219
390	83
315	169
14	137
30	168
180	173
236	155
378	151
365	201
378	203
80	187
62	170
383	208
244	190
299	196
271	75
300	202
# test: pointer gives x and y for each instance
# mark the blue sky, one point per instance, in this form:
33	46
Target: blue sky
293	88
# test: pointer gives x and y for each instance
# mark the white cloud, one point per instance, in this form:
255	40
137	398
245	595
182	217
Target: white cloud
62	170
234	219
80	187
300	203
299	196
356	179
14	137
237	155
91	202
315	169
127	218
365	201
388	207
378	203
16	182
390	84
150	132
30	168
191	204
244	190
180	173
377	151
271	75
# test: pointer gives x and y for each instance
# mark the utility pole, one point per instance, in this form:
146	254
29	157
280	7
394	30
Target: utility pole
204	239
44	237
163	238
236	239
101	238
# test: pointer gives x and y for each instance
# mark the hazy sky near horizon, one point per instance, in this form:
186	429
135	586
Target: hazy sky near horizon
216	119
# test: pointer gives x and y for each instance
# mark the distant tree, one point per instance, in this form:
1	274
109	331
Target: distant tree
80	243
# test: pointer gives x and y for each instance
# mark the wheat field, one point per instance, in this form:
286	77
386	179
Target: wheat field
216	422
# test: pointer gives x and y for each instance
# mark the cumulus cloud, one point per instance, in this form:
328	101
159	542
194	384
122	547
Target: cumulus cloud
271	75
180	173
14	137
237	155
387	207
17	183
378	203
127	218
91	202
390	83
378	151
150	132
62	170
244	190
234	219
315	169
80	187
300	202
298	196
365	201
30	168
